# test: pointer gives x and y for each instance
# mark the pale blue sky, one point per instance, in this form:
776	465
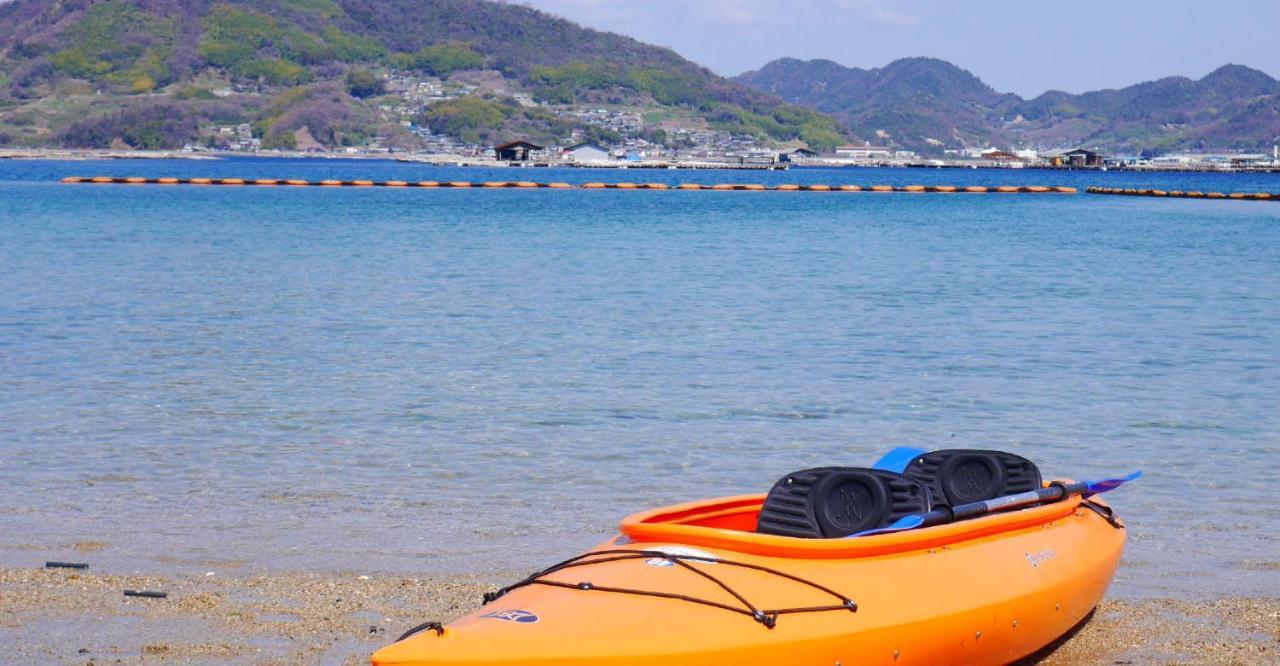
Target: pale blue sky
1025	47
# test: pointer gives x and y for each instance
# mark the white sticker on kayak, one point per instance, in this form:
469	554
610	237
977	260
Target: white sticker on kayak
679	551
1038	558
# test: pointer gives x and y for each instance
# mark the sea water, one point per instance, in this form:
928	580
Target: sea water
453	381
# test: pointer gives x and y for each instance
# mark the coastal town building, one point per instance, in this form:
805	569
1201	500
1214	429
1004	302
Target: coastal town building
867	152
516	151
1073	157
758	157
998	155
797	155
585	152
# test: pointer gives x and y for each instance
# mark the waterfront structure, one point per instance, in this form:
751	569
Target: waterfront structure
1073	157
585	152
758	157
516	151
864	152
997	155
797	155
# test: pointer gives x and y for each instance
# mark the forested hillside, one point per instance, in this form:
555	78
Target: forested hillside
159	73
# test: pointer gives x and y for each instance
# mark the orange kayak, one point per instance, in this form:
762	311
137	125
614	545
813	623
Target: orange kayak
695	584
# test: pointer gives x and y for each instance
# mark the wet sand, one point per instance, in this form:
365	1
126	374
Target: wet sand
60	616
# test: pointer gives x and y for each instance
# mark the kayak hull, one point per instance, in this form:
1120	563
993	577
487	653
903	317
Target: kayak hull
987	591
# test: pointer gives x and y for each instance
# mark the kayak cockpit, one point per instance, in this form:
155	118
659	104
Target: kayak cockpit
836	512
729	523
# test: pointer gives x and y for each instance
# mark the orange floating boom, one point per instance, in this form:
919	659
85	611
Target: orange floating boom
786	187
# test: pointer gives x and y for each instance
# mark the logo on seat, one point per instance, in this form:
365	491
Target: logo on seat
514	615
972	479
851	505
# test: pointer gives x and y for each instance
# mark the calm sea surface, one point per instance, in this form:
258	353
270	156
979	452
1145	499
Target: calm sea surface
440	381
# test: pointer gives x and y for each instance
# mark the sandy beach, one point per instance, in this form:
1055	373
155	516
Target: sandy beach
60	616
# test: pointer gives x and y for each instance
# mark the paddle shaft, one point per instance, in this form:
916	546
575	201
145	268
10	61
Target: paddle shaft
1053	493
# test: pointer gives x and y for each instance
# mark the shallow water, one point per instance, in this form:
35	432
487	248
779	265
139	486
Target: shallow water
456	381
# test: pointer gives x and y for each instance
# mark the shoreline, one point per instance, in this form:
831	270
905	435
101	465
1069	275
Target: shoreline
448	160
68	616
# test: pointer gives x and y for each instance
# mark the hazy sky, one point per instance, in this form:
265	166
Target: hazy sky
1022	47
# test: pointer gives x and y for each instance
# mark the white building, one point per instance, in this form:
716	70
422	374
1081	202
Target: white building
864	152
584	152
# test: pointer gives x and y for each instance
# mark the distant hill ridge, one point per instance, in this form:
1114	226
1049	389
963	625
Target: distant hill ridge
930	104
81	72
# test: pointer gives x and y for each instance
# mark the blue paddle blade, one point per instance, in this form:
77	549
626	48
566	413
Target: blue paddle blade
1104	485
898	459
900	525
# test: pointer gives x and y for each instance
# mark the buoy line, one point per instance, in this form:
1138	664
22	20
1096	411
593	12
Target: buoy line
730	187
1189	194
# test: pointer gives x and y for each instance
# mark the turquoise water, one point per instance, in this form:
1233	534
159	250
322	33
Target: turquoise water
439	381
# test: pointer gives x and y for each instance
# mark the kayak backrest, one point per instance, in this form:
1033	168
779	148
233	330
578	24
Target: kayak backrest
834	502
961	476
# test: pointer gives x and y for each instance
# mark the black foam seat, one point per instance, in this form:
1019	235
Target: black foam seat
834	502
961	476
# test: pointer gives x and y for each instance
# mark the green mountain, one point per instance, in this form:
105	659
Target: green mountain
160	73
930	105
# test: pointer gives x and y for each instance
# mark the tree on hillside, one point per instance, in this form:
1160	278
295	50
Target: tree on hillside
363	83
